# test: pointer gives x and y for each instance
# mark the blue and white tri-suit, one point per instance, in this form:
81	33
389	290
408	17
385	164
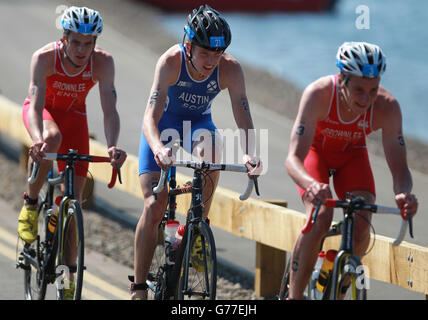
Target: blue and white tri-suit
188	105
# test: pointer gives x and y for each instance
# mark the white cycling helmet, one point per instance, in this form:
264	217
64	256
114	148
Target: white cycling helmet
361	59
82	20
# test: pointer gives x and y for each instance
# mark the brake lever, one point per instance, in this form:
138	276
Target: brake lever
256	185
34	172
315	212
311	219
118	168
254	177
410	220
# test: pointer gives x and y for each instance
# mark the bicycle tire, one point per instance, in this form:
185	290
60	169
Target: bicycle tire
72	214
200	262
35	278
285	283
157	278
35	282
347	268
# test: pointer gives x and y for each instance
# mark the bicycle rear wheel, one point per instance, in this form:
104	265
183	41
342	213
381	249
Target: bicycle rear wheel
70	259
35	283
36	256
285	284
198	272
156	280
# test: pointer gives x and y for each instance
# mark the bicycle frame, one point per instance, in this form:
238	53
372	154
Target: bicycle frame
67	197
47	256
194	221
346	249
194	216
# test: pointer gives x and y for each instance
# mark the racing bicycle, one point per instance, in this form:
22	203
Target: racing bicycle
347	279
45	260
191	271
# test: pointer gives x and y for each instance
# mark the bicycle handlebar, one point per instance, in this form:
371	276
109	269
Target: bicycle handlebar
359	204
76	157
252	182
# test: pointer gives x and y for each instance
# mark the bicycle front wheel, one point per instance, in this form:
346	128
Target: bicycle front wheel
198	272
70	260
351	282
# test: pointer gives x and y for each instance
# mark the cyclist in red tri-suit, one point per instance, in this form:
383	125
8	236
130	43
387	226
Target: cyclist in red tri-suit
329	139
54	113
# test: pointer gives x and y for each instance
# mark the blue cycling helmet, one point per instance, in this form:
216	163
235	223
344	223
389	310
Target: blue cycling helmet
82	20
361	59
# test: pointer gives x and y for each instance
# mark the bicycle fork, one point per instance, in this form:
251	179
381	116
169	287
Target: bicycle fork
187	255
349	266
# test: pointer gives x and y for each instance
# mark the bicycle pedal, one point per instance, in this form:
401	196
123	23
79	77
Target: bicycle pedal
22	266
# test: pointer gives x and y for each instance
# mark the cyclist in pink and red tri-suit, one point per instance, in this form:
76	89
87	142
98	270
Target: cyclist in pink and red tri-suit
329	139
54	113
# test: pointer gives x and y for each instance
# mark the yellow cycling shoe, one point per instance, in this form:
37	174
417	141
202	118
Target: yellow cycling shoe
28	224
69	293
197	255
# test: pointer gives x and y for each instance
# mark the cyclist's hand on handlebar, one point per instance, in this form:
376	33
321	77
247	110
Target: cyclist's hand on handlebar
117	156
36	151
316	192
407	202
253	164
164	157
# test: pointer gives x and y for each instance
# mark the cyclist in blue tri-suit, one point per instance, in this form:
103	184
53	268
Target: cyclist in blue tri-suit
187	78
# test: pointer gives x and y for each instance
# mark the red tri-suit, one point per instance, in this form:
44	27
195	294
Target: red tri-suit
339	149
65	105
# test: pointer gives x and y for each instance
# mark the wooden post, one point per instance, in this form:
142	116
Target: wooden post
270	264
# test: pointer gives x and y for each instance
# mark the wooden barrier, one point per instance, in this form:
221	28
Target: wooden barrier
273	227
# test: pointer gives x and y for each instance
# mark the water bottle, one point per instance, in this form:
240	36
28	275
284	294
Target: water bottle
314	292
171	228
53	215
326	268
53	220
178	236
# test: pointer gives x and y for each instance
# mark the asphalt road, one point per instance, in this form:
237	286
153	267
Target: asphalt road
134	72
105	279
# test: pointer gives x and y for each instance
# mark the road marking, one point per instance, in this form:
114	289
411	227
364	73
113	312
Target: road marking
7	252
88	277
91	295
11	254
8	237
105	286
